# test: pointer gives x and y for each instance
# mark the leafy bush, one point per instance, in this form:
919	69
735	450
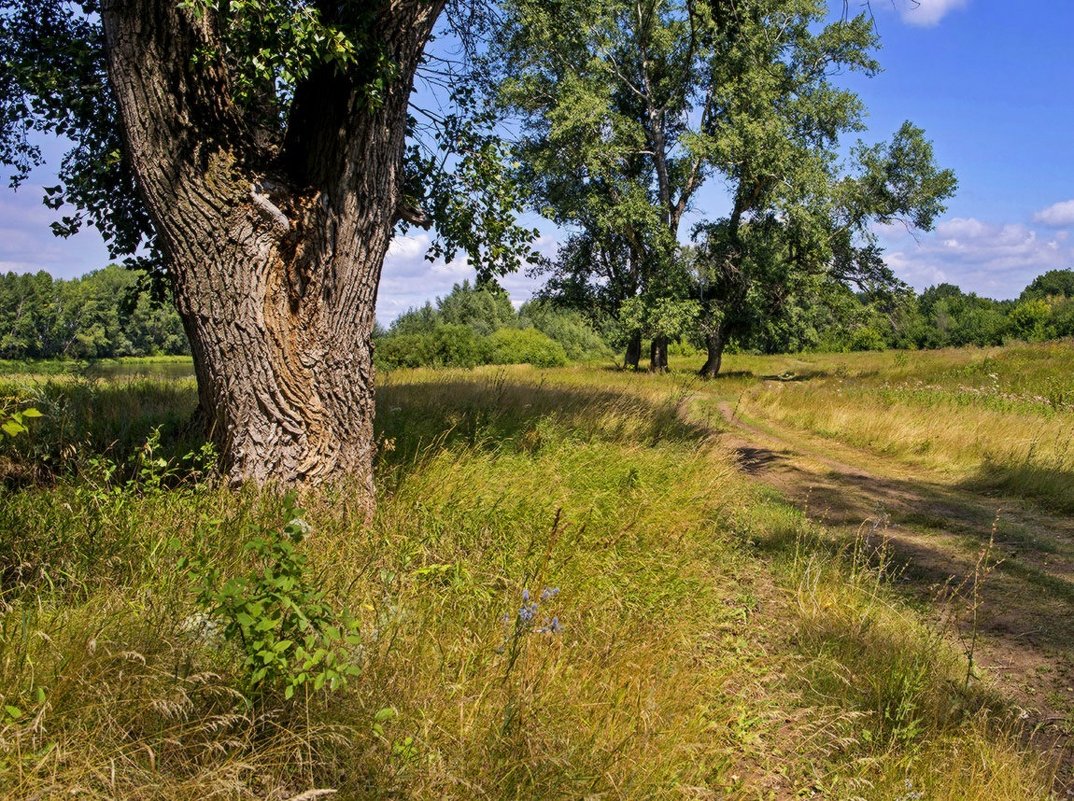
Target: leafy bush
525	346
866	338
1061	323
1028	320
14	423
443	346
457	346
288	634
566	327
404	350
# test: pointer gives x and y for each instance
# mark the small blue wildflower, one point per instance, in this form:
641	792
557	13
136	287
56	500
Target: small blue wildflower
548	593
525	596
527	612
551	628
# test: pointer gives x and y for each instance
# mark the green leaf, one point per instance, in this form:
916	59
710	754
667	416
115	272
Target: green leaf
385	714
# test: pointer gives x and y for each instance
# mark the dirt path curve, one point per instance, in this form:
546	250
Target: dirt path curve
939	530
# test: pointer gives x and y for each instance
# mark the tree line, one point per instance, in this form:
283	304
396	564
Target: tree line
478	325
110	313
941	316
105	314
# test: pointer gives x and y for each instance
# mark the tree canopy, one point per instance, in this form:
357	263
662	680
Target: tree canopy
626	109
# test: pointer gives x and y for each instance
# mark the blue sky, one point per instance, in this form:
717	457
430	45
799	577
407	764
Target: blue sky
990	81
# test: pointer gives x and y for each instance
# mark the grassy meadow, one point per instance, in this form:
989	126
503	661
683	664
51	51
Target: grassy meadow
570	590
998	419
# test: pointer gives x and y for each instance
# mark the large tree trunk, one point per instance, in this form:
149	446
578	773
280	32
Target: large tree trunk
283	354
714	343
633	351
658	355
275	256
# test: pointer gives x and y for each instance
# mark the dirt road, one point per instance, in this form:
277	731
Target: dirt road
941	532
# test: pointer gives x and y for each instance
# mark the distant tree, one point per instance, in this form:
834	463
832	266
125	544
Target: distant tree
1052	284
567	327
1029	320
797	214
420	320
628	108
615	101
951	317
484	308
27	315
106	313
595	274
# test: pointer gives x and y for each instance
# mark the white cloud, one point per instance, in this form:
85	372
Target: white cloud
1057	215
982	257
927	12
409	279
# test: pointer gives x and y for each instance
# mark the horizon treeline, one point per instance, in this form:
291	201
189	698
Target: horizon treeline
941	316
108	314
104	314
459	329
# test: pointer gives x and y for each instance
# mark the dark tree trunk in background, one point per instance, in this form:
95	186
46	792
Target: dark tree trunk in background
714	344
275	256
633	352
658	355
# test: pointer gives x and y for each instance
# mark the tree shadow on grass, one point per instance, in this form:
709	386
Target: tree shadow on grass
87	419
1051	486
936	533
490	412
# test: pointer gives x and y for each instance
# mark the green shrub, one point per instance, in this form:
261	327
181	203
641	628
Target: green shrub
525	346
458	346
404	350
289	636
1061	323
866	338
568	328
444	346
1028	320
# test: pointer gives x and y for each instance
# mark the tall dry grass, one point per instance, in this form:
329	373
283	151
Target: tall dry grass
708	641
997	418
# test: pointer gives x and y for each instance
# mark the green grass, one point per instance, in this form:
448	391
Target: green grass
713	643
999	419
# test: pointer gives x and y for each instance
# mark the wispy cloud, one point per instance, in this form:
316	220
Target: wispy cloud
409	279
927	12
1057	215
987	258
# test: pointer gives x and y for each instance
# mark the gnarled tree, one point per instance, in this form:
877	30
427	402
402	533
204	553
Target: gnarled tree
257	153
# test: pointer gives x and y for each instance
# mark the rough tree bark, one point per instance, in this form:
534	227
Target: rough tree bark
633	351
714	344
658	355
275	252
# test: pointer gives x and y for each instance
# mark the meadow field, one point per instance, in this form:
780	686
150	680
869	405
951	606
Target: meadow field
838	576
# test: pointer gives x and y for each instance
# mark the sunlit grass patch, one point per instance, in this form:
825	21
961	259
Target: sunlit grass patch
996	418
568	591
